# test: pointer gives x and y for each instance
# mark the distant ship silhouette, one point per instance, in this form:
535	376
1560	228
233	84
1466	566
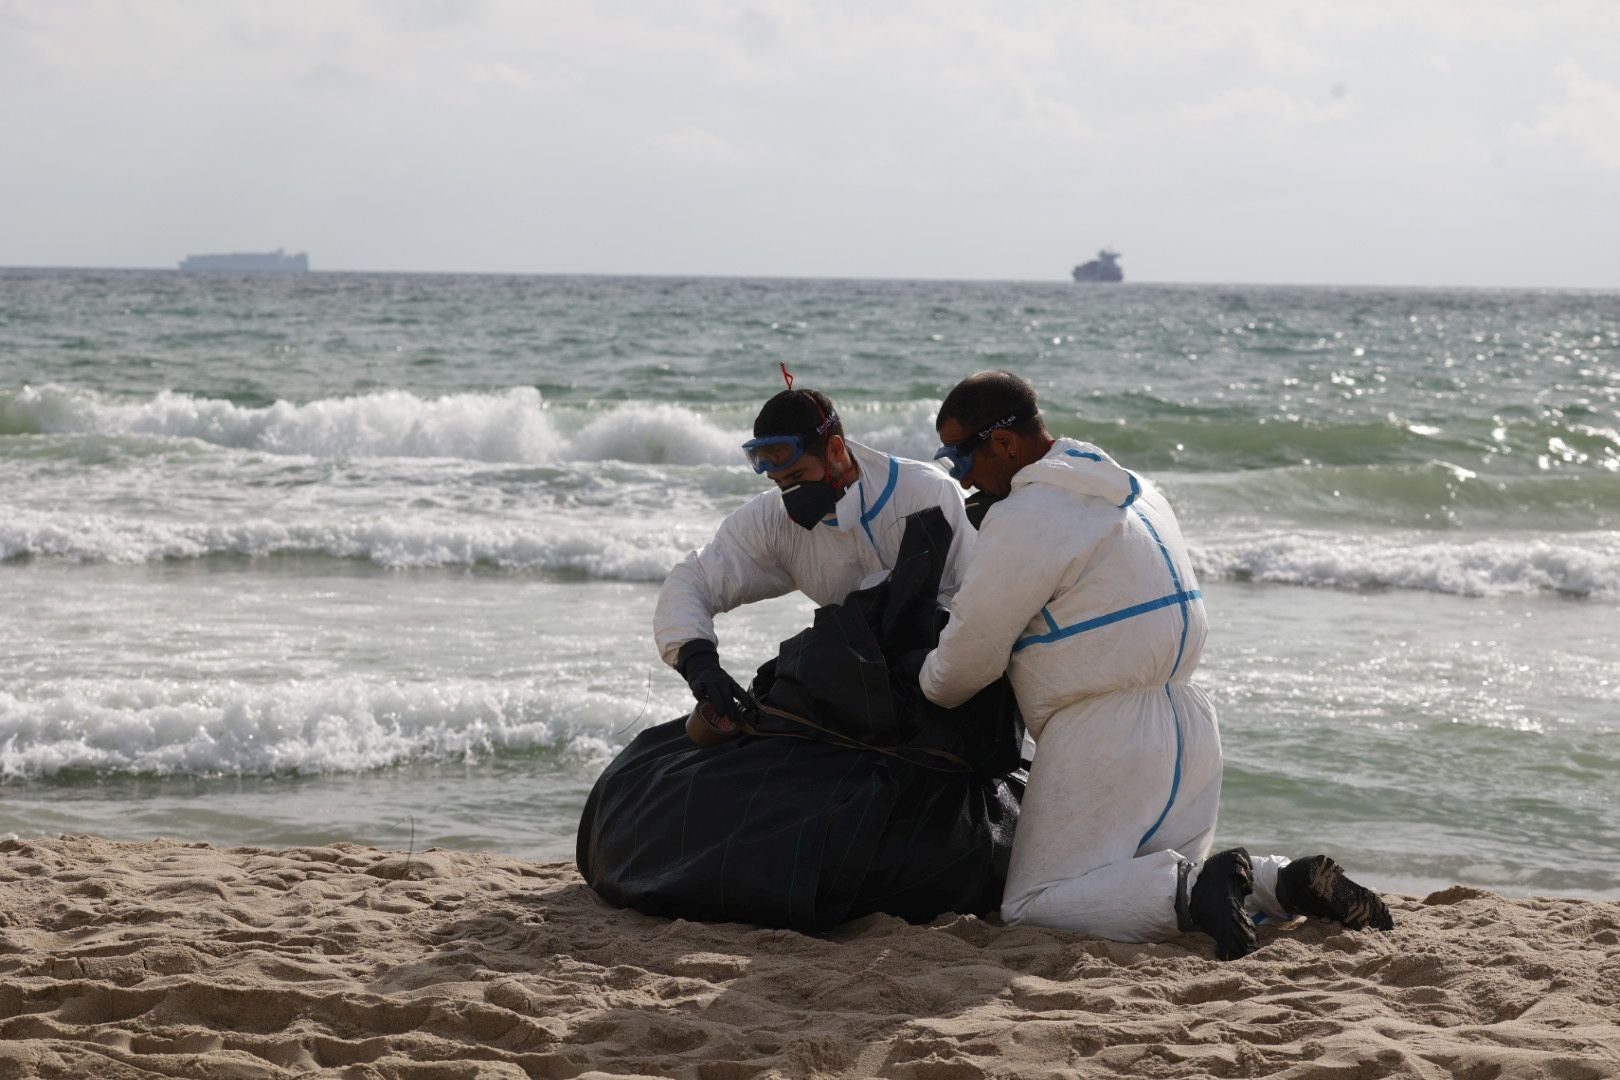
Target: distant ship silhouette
1105	267
275	262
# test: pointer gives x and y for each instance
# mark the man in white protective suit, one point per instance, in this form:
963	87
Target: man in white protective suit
832	524
1080	587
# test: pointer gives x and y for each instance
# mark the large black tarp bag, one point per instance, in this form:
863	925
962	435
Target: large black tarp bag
849	794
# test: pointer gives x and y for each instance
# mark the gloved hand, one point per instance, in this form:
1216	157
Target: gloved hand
699	664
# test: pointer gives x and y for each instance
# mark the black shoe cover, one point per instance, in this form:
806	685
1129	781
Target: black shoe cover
1317	887
1216	903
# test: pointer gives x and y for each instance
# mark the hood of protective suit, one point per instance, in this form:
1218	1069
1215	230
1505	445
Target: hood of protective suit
1082	469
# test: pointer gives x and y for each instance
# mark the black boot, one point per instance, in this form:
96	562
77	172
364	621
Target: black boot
1215	904
1317	887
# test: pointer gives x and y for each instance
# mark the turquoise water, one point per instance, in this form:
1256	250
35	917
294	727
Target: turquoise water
373	557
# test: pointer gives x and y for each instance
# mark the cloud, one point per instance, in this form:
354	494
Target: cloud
1263	107
1586	117
704	149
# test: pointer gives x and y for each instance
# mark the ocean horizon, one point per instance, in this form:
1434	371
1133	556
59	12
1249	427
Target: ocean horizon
1055	278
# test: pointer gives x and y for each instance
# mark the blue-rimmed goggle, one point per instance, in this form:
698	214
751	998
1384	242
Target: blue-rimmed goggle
773	453
958	456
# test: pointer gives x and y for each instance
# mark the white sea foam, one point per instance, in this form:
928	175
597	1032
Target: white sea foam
904	428
623	552
658	434
644	547
342	725
1586	566
511	426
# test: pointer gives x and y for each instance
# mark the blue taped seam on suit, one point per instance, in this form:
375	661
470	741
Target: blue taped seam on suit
1175	580
1136	488
1174	599
1175	777
1164	552
1181	648
888	489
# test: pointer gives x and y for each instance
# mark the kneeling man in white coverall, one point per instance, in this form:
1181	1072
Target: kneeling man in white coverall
1081	588
832	524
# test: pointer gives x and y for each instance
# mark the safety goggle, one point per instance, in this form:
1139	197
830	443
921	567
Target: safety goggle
773	453
958	456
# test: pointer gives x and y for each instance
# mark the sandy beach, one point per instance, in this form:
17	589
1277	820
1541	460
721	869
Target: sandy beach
174	959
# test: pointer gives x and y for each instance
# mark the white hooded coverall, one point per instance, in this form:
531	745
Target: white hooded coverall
759	552
1081	588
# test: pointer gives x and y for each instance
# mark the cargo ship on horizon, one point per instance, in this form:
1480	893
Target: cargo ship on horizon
271	262
1105	267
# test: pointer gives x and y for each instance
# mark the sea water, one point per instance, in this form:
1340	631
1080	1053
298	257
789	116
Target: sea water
292	560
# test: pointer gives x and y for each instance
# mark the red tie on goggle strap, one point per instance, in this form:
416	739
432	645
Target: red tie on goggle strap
787	377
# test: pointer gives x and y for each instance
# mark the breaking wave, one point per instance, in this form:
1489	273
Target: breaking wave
622	553
165	728
514	425
1587	569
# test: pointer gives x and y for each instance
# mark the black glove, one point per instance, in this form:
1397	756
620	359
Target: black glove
699	664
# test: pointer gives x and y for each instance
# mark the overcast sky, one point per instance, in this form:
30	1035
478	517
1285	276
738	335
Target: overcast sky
1427	142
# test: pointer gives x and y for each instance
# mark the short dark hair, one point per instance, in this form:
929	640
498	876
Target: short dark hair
806	413
985	397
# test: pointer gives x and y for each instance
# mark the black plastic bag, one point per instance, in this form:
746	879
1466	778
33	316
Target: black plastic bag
850	794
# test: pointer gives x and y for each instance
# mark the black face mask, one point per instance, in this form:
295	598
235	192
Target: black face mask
810	501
